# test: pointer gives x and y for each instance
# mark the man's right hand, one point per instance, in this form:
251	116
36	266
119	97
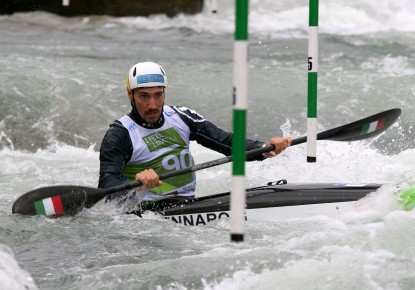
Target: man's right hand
149	178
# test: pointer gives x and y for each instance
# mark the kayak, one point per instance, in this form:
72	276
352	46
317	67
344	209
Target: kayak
274	201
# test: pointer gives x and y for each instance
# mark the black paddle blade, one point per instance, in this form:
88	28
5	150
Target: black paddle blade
359	130
365	128
57	201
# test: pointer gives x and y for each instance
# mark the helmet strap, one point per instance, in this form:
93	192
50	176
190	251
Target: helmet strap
134	106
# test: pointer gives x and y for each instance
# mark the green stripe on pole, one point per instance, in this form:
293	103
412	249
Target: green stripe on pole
239	142
241	30
312	95
313	13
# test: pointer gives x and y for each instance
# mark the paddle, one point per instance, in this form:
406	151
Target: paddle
63	200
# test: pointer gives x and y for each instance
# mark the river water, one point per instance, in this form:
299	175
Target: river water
62	84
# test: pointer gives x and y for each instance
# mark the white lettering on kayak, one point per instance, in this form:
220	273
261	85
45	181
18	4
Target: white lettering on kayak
198	219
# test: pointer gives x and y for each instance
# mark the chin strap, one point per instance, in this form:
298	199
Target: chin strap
134	107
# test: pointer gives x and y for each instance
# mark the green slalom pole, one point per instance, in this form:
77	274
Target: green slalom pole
312	82
240	104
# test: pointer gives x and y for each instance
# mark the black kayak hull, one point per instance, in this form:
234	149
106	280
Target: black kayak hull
274	201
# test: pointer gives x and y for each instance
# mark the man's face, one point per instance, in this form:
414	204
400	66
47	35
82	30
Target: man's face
149	102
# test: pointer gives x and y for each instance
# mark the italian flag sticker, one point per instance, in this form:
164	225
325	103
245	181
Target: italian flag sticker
49	206
372	127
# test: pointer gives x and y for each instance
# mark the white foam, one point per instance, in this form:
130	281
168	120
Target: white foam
279	18
11	275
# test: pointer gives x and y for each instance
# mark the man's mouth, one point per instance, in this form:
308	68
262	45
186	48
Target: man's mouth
152	113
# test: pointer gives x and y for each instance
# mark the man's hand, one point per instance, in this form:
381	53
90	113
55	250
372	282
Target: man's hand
149	178
280	145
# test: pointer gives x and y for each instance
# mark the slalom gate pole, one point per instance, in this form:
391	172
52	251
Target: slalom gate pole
240	104
312	82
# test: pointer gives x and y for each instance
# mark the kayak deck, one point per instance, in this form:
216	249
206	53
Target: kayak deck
269	202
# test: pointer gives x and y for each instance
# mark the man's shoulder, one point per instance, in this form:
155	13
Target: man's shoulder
185	113
117	128
117	135
117	125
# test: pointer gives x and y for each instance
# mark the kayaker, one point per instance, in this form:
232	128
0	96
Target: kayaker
154	138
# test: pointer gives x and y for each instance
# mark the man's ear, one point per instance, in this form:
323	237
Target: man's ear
130	94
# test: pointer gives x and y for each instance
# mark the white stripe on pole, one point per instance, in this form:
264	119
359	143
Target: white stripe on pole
237	221
65	3
240	73
313	47
311	137
214	6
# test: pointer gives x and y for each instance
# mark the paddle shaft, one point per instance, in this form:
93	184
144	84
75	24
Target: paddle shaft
193	168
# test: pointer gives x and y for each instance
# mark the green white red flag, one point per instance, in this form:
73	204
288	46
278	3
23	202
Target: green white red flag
372	127
49	206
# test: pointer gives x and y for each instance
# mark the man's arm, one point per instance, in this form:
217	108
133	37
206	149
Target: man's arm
116	149
210	136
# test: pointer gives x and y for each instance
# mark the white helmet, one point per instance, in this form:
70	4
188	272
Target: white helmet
146	74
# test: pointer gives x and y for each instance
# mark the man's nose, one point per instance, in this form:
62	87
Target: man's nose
152	102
